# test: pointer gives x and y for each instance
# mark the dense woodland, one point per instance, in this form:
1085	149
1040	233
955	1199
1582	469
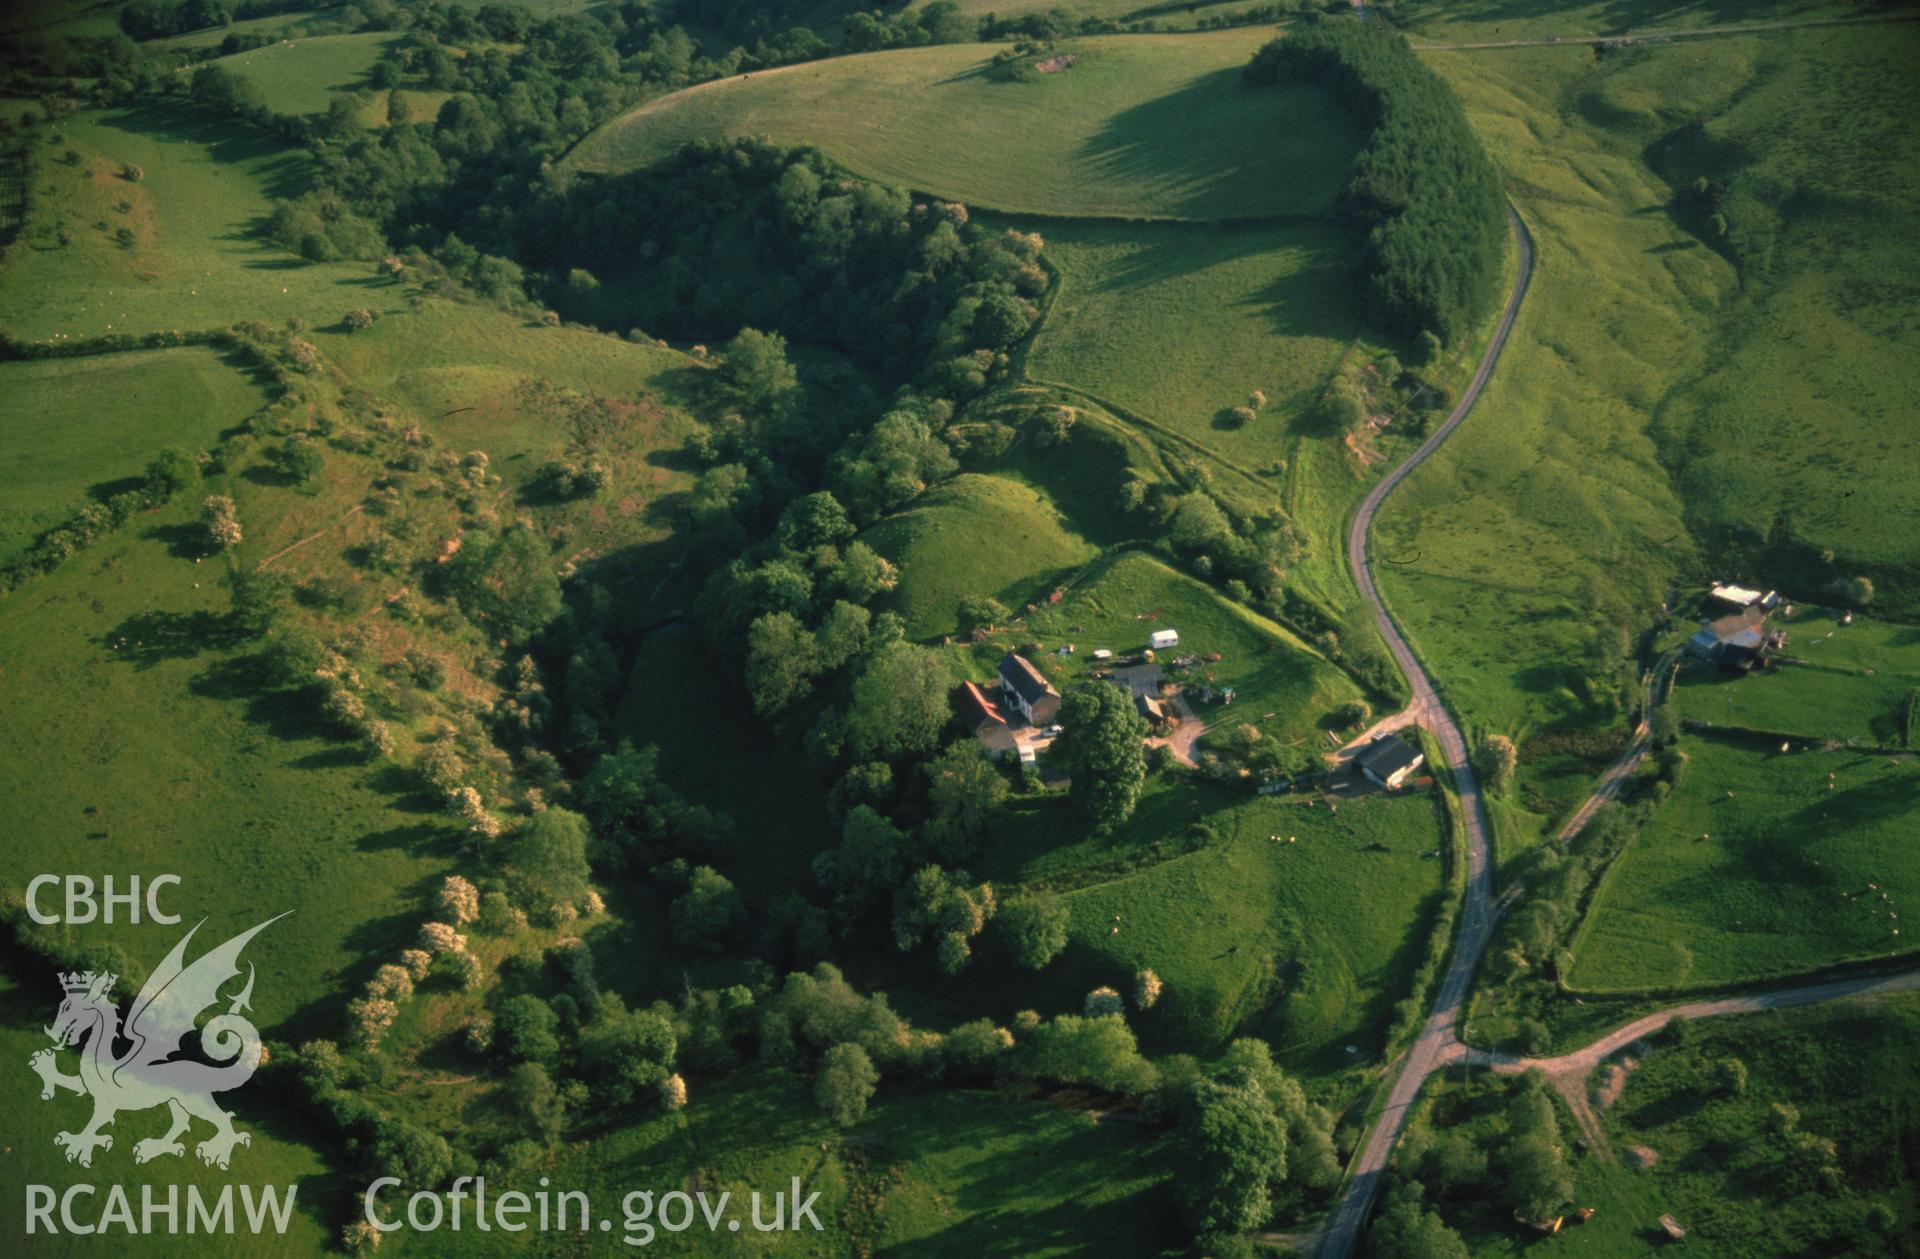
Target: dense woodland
1422	185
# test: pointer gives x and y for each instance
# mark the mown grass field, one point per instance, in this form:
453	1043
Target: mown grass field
1181	323
303	74
68	427
1283	686
195	260
970	537
1779	885
1852	686
1140	126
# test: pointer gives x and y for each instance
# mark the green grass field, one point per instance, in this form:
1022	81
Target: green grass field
1847	1069
1549	514
948	1172
70	426
1308	943
195	261
1805	413
280	25
1779	885
1553	510
1852	687
142	746
302	75
280	1153
1165	16
1140	127
1181	323
1479	20
974	536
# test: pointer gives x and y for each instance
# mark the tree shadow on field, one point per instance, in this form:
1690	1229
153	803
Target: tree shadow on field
1178	143
183	542
101	491
147	638
283	171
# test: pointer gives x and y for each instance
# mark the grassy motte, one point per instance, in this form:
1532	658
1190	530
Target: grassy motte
973	536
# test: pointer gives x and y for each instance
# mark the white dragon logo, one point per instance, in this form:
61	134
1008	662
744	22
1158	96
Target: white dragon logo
148	1074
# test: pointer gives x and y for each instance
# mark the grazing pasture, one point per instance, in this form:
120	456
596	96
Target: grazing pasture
1549	518
144	744
1308	943
970	537
279	1154
1848	683
1846	1069
280	25
193	257
1650	347
1181	323
911	1179
71	427
1759	864
1147	126
1481	20
1805	418
302	75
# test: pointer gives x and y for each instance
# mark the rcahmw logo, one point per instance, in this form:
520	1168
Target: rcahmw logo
151	1073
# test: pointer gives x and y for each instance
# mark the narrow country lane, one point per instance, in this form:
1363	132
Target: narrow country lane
1437	1038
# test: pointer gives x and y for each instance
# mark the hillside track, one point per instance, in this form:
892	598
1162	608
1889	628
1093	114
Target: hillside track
1437	1041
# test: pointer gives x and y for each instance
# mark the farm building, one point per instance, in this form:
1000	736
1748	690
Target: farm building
1139	679
1389	761
1735	642
1728	595
1144	682
1026	690
984	720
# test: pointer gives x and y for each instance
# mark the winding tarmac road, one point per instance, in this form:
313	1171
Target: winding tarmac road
1437	1041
